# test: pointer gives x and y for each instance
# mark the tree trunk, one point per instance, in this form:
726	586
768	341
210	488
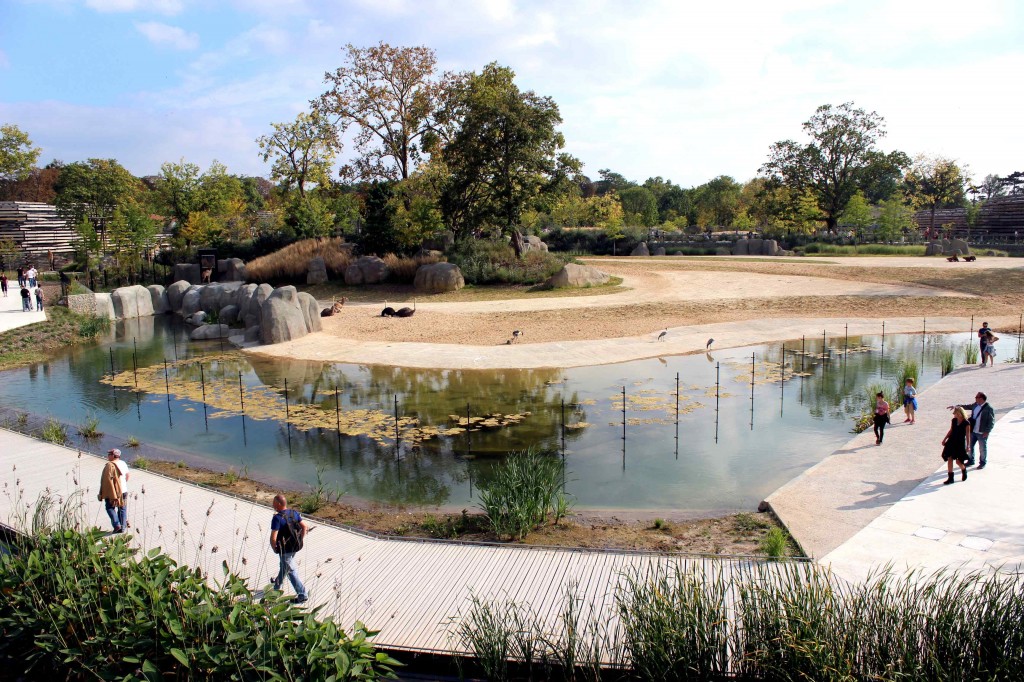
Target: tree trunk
517	242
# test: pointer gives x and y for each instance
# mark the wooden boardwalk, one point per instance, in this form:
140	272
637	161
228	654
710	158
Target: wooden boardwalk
409	590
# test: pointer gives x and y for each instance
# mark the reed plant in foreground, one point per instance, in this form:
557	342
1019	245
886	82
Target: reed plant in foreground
971	353
526	489
948	360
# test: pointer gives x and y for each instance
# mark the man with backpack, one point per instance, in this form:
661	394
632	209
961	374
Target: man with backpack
287	532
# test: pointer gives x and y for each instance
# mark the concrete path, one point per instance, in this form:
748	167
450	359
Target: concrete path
11	314
866	506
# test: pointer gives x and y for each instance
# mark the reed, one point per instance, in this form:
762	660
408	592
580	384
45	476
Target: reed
54	432
971	353
775	543
90	428
948	360
291	263
526	488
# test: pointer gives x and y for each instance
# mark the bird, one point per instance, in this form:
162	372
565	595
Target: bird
710	341
406	311
662	335
388	311
516	334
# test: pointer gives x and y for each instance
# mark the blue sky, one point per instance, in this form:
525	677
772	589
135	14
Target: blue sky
684	90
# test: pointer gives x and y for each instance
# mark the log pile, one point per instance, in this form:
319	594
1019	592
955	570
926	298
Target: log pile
36	228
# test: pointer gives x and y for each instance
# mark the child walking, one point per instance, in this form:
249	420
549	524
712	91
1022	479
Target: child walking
909	400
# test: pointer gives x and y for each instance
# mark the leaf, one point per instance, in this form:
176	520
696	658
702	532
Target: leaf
180	655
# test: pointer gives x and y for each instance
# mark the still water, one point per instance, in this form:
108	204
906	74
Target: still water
734	441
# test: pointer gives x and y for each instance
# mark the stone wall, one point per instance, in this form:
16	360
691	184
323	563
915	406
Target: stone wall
83	304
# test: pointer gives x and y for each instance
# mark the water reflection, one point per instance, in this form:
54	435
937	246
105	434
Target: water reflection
777	413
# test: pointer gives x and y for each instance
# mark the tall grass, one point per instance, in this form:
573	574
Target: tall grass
291	263
402	270
948	360
864	249
54	432
494	262
525	491
971	353
90	428
775	543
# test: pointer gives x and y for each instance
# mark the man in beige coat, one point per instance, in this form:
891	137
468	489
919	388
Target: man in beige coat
111	492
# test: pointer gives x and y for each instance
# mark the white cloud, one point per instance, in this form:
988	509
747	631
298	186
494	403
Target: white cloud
171	36
167	7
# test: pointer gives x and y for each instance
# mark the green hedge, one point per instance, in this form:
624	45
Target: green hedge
86	606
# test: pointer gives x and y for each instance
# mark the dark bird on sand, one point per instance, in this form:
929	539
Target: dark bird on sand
406	312
516	334
710	341
662	335
388	311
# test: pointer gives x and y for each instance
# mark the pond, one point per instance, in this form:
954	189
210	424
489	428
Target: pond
729	440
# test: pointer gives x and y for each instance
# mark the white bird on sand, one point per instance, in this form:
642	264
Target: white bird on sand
710	341
516	334
662	335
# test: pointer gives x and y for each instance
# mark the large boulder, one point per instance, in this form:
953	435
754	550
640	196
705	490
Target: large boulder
754	247
770	247
159	297
133	301
436	278
573	275
262	293
316	272
209	298
210	331
175	293
933	248
641	250
959	246
242	296
366	270
231	270
228	314
282	317
104	307
310	311
658	251
533	243
187	271
190	302
741	247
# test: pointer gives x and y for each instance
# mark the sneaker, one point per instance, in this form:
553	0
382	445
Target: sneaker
981	466
970	462
299	600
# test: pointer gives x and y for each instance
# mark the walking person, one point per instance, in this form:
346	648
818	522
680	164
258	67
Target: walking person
3	283
26	299
909	400
32	274
111	494
982	331
39	298
21	277
983	419
990	349
881	417
956	444
287	532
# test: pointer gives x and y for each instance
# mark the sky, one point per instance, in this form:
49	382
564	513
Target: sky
679	89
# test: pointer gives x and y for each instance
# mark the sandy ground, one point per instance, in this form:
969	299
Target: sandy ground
736	301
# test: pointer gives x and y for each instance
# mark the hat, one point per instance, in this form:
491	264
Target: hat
115	452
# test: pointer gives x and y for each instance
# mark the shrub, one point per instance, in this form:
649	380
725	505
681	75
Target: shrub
90	428
54	432
525	490
402	269
72	602
291	263
775	543
494	262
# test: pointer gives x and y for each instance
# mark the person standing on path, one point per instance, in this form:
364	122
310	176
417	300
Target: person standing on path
285	546
956	444
111	494
26	299
32	274
881	417
909	400
981	340
39	298
21	277
990	349
3	283
983	419
123	475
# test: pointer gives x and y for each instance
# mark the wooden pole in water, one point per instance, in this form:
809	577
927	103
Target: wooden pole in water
111	364
623	428
751	391
718	368
563	428
337	418
287	411
202	381
782	383
135	362
241	402
803	350
846	341
469	436
398	441
167	387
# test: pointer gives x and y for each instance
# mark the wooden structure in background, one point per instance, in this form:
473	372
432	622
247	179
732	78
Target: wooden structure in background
1000	217
36	228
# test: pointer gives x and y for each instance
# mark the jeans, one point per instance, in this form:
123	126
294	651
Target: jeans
879	422
26	305
32	282
983	446
288	567
118	515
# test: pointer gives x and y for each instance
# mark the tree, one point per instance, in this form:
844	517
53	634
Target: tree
834	164
17	155
303	151
716	201
390	95
309	216
95	188
895	219
640	206
935	182
612	182
503	154
89	245
178	189
131	234
858	215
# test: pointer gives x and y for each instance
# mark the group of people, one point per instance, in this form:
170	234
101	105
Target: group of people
881	416
27	280
284	526
987	344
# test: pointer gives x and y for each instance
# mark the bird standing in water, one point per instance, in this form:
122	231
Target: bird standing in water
662	335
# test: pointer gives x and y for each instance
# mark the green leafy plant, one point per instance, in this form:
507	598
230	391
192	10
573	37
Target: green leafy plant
525	490
55	432
132	442
319	494
89	429
775	543
140	462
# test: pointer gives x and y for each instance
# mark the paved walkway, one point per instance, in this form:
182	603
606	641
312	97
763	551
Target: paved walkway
867	506
11	314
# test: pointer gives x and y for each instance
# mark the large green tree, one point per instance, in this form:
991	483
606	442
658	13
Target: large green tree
504	153
640	206
17	155
716	202
389	96
303	151
835	163
934	182
95	188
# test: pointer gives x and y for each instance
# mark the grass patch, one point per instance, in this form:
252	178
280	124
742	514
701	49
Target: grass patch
862	249
290	264
54	432
526	490
90	428
38	342
140	462
775	543
132	442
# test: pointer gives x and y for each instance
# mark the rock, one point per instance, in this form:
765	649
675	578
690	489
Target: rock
722	251
959	245
235	272
242	296
533	243
187	271
190	301
133	301
573	275
228	314
252	334
316	272
933	249
641	250
197	318
209	298
175	293
310	312
263	292
104	306
436	278
158	295
659	251
282	317
741	247
366	270
441	242
210	331
754	246
251	320
771	248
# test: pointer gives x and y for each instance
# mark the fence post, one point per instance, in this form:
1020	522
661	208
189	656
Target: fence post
135	362
167	387
718	383
623	428
398	449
